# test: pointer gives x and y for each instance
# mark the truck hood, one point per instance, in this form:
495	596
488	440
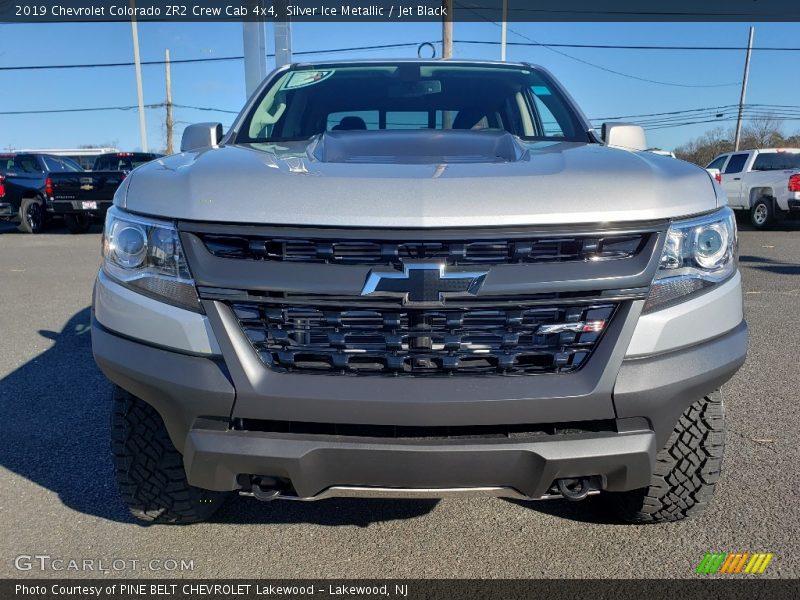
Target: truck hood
298	183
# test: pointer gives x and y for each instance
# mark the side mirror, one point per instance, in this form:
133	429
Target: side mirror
624	135
201	135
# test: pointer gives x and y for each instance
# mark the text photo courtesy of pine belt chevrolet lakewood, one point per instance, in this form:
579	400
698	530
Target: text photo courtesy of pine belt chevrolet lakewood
383	280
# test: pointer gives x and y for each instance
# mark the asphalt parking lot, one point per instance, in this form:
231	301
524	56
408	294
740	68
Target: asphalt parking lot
57	496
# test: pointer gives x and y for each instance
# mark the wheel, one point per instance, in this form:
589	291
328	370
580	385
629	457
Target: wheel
762	214
149	470
686	469
31	215
78	223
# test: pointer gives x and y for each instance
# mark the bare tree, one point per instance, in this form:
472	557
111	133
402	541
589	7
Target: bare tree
111	144
763	132
703	149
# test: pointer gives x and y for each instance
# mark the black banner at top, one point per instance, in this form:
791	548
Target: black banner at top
50	11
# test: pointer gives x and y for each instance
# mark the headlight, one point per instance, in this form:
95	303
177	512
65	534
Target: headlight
698	253
146	256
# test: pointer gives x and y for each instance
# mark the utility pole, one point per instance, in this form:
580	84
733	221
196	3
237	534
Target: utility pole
504	31
170	123
255	55
447	51
283	37
746	75
138	67
447	29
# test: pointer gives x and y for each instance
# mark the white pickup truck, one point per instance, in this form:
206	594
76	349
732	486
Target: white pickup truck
766	183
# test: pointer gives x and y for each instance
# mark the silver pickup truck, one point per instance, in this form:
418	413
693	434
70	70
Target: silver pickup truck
417	278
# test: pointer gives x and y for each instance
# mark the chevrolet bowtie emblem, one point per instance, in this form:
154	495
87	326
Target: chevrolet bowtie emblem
423	283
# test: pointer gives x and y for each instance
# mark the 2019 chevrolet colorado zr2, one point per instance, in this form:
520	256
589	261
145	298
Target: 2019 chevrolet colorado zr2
417	278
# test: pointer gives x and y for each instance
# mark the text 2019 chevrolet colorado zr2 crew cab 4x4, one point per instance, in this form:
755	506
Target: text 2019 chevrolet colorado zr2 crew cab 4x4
417	278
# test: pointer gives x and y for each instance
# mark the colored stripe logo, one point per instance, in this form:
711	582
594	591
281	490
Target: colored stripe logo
734	563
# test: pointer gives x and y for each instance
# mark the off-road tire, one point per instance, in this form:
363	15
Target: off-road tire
28	224
762	213
686	469
149	470
78	223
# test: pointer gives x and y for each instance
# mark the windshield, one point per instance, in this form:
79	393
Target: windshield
307	101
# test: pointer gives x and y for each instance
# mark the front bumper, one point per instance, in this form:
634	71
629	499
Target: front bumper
198	398
316	464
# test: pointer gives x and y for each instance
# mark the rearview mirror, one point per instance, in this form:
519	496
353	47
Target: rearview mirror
201	135
624	135
415	89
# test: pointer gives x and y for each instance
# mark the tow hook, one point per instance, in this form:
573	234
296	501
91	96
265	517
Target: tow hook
265	489
574	488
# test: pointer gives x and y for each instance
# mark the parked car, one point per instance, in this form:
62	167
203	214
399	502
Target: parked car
765	182
414	279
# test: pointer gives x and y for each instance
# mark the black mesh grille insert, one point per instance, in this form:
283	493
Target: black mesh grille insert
399	341
567	248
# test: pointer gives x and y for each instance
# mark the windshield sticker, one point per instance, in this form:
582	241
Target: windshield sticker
540	90
306	78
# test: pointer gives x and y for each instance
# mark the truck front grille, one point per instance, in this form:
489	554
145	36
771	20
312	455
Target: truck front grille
562	248
381	341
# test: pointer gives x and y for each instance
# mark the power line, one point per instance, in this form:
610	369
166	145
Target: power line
71	110
685	113
693	115
631	47
595	65
674	112
105	108
530	43
209	59
726	119
622	74
206	108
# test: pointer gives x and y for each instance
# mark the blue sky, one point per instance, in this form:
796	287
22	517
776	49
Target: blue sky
773	77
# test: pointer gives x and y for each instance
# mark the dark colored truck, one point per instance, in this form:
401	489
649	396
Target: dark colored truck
27	183
36	186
